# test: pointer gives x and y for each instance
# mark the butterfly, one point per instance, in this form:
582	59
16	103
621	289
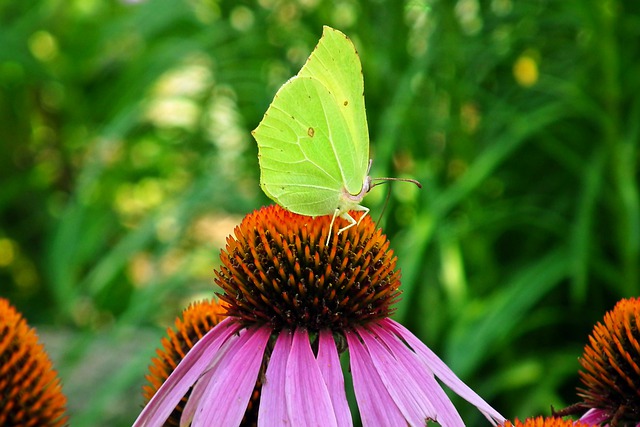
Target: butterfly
313	141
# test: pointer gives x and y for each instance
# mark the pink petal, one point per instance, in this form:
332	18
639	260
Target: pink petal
445	411
595	416
194	399
227	395
376	406
414	405
201	385
308	399
273	405
156	412
329	364
442	371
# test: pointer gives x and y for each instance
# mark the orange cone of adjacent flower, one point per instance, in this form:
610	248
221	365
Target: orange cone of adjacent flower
30	391
544	422
611	368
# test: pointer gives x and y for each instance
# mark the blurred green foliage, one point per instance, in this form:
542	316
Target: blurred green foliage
127	159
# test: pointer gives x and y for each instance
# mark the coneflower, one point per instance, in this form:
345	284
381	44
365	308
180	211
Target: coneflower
30	390
611	368
294	303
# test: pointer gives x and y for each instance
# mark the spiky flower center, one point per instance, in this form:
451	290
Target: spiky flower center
30	391
611	363
278	270
544	422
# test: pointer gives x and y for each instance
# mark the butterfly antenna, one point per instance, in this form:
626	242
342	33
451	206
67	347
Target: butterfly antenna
379	181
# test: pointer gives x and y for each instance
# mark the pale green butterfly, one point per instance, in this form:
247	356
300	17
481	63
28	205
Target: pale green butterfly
313	142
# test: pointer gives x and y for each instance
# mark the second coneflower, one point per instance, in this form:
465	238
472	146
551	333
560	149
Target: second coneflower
294	303
30	390
611	368
545	422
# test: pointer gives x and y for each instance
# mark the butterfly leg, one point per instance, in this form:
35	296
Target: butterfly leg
333	219
365	210
345	215
349	218
352	221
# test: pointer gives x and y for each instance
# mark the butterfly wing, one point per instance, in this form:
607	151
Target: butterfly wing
335	63
297	148
313	141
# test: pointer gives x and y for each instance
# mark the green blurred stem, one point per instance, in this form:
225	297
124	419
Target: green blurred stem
621	149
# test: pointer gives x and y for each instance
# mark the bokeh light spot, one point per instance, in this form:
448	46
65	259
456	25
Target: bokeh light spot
525	70
7	252
242	18
43	46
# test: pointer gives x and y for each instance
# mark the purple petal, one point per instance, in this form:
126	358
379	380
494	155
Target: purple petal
229	390
595	416
194	399
201	385
156	412
446	413
442	371
401	384
376	406
329	364
308	399
273	405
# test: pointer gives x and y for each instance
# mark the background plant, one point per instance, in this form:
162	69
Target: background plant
127	159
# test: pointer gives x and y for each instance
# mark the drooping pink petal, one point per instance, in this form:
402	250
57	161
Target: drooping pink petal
195	396
201	385
595	416
308	400
273	405
443	372
185	375
412	402
446	413
225	400
329	364
376	406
